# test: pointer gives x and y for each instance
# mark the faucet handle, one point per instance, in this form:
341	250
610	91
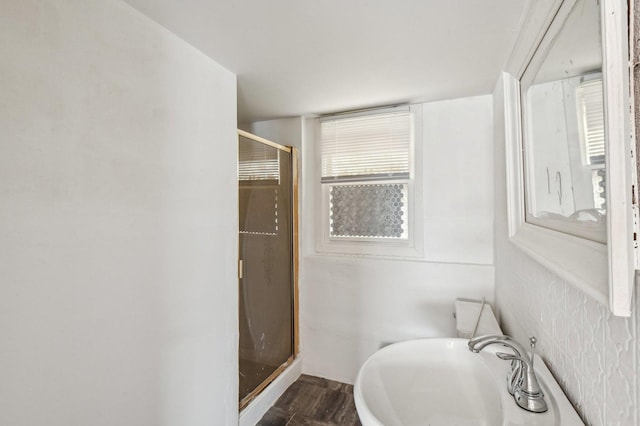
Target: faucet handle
532	345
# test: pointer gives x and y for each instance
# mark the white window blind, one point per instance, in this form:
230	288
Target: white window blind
591	114
366	147
257	161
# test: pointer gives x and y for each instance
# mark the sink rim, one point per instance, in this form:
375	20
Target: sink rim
560	409
438	350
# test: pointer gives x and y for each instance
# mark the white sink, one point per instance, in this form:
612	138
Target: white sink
440	382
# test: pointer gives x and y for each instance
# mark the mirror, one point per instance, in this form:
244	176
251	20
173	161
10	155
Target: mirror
571	171
563	129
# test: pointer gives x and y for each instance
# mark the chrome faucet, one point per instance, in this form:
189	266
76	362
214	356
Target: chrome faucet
522	382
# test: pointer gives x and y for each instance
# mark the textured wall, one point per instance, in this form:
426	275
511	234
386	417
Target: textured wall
592	354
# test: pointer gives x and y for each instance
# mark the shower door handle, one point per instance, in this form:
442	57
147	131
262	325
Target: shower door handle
240	264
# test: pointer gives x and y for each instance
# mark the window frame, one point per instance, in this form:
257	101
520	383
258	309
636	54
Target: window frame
412	246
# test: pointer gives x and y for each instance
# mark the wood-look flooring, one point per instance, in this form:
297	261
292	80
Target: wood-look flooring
313	401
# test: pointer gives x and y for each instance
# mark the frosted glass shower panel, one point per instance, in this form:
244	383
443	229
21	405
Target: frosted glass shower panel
265	251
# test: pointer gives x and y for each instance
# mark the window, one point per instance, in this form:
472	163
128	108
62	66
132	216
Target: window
590	107
591	118
367	180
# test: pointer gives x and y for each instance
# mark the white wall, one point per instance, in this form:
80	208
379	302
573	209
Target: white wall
285	131
351	305
118	221
593	355
458	181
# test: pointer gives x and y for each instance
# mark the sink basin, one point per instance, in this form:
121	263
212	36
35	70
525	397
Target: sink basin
440	382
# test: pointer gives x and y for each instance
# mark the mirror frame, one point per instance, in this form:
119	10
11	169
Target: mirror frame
604	272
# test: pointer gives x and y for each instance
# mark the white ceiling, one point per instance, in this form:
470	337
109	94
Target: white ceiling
298	57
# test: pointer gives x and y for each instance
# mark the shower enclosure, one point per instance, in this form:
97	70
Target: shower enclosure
267	262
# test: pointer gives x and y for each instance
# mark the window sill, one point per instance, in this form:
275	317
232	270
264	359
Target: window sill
386	249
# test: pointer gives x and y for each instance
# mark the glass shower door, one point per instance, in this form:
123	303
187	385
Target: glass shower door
266	285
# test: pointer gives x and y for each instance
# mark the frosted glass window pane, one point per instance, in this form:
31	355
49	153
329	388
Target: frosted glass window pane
598	179
369	210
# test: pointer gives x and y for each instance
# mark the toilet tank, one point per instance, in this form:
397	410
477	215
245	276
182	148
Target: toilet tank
466	314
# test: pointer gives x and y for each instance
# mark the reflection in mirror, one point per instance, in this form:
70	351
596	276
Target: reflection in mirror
563	117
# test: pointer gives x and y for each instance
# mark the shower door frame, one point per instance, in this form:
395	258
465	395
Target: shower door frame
295	252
